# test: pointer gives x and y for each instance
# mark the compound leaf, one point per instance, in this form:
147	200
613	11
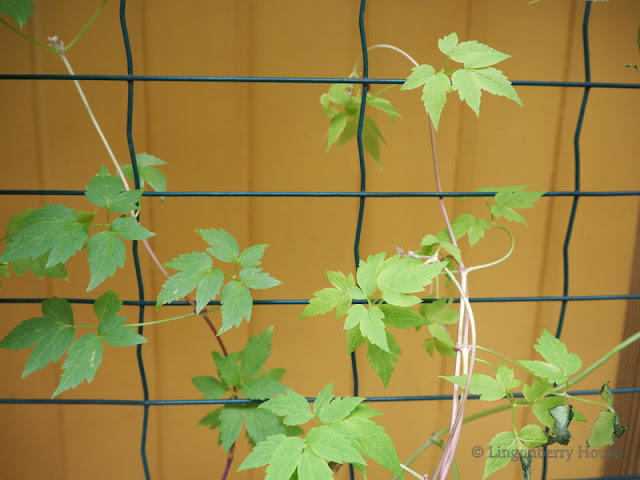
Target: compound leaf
83	359
292	406
107	191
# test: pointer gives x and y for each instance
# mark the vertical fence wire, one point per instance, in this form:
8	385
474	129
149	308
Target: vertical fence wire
362	194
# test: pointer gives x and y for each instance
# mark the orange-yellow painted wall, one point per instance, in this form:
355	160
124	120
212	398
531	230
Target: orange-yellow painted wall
271	137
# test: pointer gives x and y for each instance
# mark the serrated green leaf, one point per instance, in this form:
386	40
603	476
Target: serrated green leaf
448	43
228	369
476	55
561	364
339	409
18	10
336	127
364	411
252	256
367	272
476	232
83	359
510	214
340	281
434	96
465	82
112	331
372	327
441	340
237	305
147	173
542	407
383	105
324	301
210	387
381	362
285	459
505	377
211	419
339	94
493	81
223	246
106	253
261	388
261	424
53	335
107	191
129	229
53	229
499	455
312	467
330	445
256	352
400	299
439	312
354	340
230	425
487	387
292	406
323	399
408	275
256	279
349	131
262	453
532	436
376	444
107	305
208	288
418	77
37	266
605	430
401	317
371	137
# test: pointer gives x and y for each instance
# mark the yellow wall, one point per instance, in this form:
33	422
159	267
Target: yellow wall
271	137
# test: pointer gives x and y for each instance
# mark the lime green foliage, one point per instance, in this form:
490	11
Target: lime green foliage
346	435
342	105
509	198
54	334
197	272
477	75
148	173
240	373
18	10
607	427
393	281
559	363
106	191
503	448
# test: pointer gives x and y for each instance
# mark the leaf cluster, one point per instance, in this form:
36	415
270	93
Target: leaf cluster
197	272
54	334
43	239
346	435
477	74
342	105
240	373
382	298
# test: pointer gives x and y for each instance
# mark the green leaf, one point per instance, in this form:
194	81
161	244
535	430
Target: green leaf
18	10
256	279
237	305
148	174
107	191
261	388
562	414
434	95
324	301
532	436
341	281
438	312
256	352
312	467
383	105
476	55
339	409
252	256
505	377
367	272
322	400
499	455
223	246
542	407
261	424
605	430
113	332
210	387
376	444
53	335
336	127
465	82
513	197
408	275
52	229
230	425
339	94
561	364
354	340
263	452
493	81
418	77
293	406
382	361
536	391
441	340
371	137
285	459
129	229
106	253
208	288
211	419
487	387
476	232
401	317
372	327
510	214
448	43
330	445
228	369
83	359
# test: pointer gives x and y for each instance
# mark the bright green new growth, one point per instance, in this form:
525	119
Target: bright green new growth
147	172
342	105
54	334
197	272
240	372
346	435
477	75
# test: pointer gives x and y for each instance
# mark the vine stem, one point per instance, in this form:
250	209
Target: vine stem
59	48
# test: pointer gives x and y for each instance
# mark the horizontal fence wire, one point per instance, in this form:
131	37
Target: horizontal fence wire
362	195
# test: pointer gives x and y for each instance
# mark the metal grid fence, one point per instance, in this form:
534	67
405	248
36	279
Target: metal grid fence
363	194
